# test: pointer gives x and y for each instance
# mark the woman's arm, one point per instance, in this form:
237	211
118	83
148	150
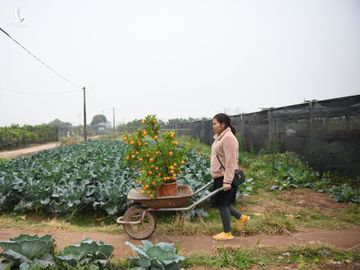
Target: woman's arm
230	147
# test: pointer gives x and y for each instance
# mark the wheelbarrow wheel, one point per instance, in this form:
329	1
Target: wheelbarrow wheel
142	230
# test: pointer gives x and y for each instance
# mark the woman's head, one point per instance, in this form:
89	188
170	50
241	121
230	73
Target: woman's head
220	122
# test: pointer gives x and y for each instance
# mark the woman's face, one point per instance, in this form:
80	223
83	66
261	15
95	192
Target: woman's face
217	126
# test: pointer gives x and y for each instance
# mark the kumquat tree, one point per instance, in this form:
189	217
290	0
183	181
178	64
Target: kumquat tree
158	157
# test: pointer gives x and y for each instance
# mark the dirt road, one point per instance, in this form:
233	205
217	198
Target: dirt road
28	150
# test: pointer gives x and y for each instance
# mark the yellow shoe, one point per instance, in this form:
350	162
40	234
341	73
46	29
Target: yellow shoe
242	222
223	236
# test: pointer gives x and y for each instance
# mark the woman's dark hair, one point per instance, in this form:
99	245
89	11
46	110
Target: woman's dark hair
222	118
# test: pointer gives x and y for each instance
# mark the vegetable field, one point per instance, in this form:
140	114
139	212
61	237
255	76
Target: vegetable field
90	176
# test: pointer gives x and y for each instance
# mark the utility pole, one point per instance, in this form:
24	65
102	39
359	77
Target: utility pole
114	120
85	133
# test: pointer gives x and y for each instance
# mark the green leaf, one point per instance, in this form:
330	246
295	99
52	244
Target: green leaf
87	252
15	256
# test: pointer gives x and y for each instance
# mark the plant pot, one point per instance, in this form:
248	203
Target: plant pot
167	189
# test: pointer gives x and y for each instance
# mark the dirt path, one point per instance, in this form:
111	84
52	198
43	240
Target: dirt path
346	239
34	149
28	150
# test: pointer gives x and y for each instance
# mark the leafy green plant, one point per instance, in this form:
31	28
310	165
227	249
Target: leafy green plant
280	171
247	187
16	136
272	146
65	180
196	172
90	176
28	252
95	255
160	256
345	193
198	212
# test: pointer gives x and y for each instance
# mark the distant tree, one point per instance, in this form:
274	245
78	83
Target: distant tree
59	123
99	118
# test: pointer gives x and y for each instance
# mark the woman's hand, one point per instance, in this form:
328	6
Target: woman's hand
226	186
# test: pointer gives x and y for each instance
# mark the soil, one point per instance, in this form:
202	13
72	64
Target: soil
28	151
311	199
295	200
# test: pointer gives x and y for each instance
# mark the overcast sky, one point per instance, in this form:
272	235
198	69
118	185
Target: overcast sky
174	58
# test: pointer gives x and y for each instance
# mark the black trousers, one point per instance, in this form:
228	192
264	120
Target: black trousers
225	212
223	198
223	201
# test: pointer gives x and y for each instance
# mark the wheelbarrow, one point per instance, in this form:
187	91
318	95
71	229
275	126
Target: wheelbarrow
139	221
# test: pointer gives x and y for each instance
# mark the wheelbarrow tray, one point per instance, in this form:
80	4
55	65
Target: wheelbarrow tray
184	192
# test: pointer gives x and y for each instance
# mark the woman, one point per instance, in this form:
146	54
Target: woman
224	162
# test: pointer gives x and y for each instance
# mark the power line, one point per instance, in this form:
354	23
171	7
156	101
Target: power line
96	102
39	60
34	93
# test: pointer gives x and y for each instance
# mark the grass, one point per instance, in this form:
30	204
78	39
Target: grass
302	257
87	223
305	257
193	143
275	218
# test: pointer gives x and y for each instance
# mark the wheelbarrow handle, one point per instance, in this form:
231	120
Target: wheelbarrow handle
203	188
191	206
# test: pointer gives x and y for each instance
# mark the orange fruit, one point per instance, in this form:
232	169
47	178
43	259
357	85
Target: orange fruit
132	142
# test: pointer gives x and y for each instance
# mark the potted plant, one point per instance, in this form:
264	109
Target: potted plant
158	158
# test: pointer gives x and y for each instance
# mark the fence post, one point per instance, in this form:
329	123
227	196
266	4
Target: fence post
348	119
311	116
242	124
270	124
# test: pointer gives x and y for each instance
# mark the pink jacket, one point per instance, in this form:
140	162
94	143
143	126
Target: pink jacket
226	147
